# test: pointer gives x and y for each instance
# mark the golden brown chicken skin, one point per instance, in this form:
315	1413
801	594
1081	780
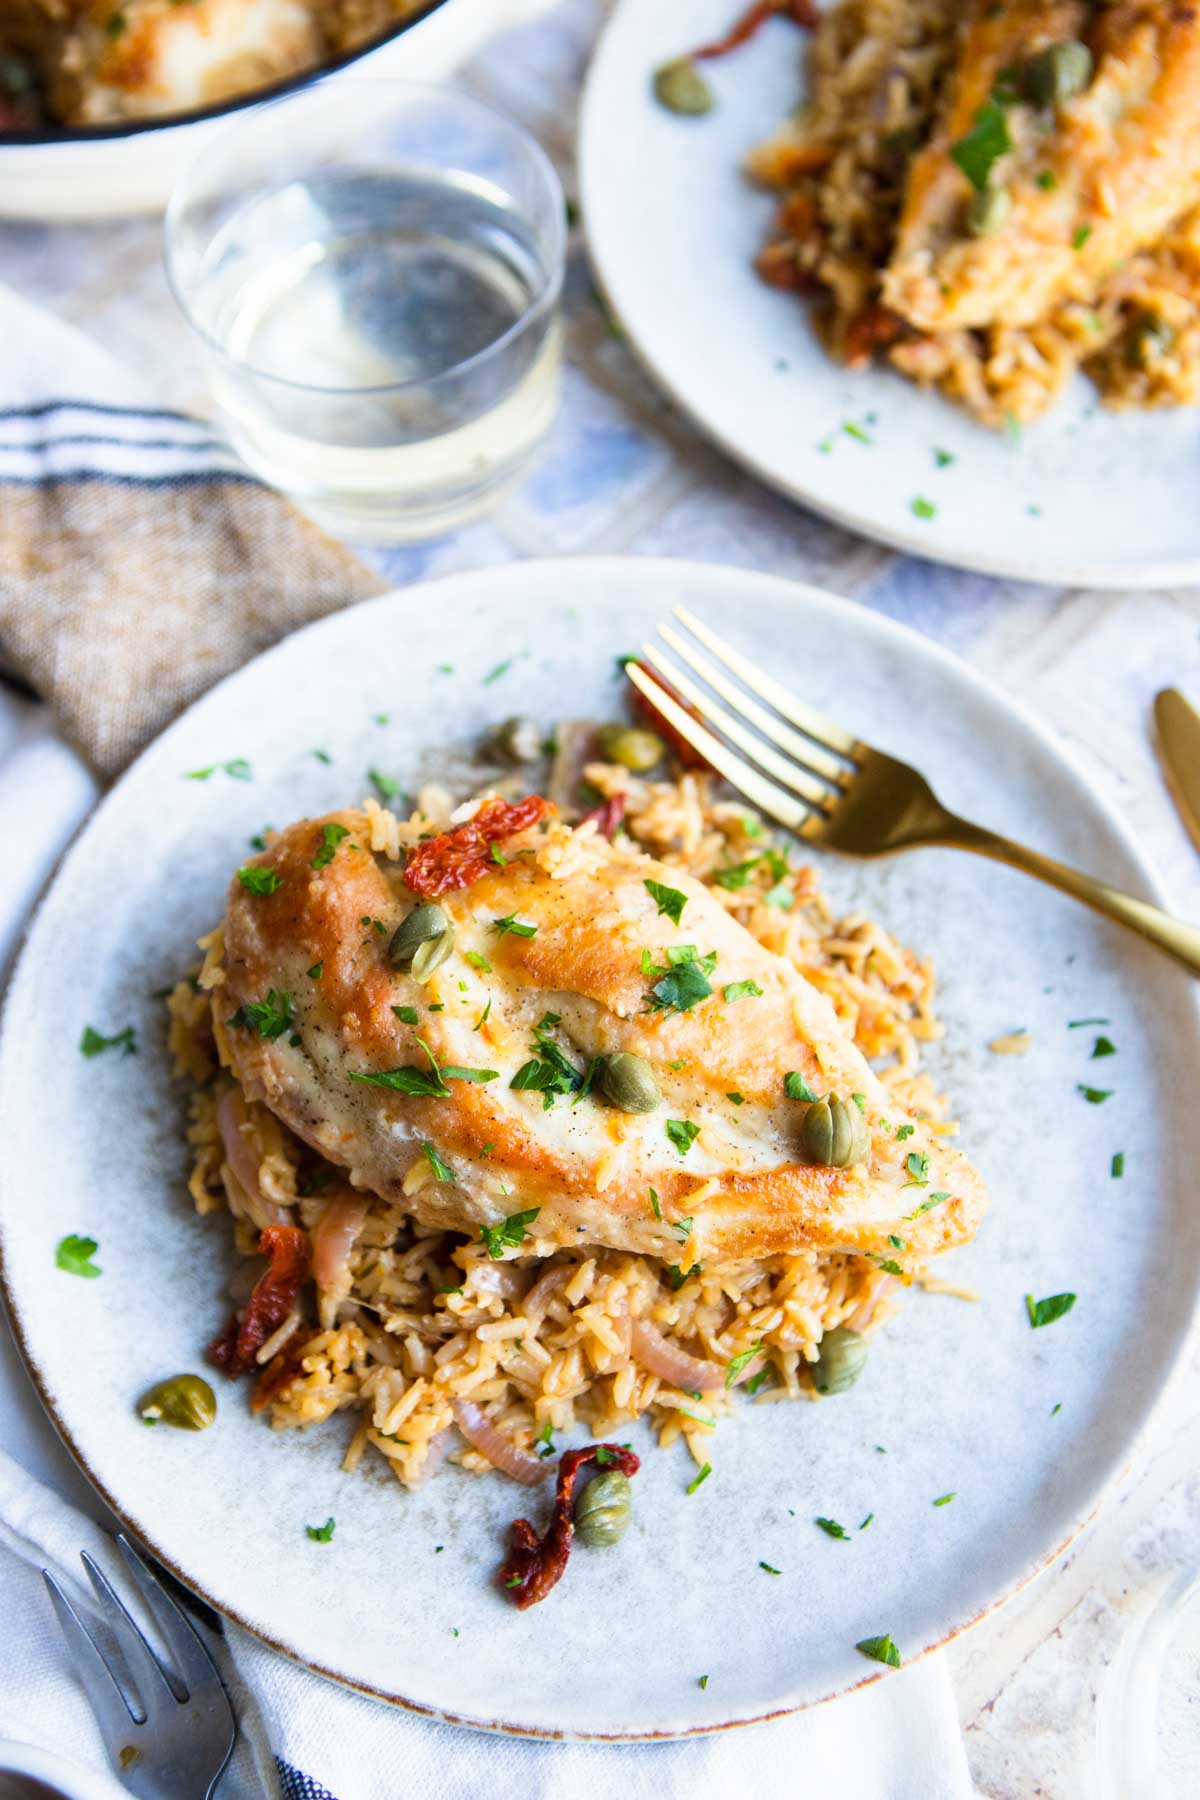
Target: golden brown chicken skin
589	949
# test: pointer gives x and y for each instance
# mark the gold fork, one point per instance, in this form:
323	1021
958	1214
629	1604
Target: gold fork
832	789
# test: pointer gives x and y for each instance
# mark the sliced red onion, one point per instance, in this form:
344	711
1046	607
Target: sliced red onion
651	1349
500	1450
575	739
231	1116
504	1278
544	1289
439	1449
333	1240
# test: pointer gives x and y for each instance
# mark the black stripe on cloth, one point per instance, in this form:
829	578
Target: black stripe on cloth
80	437
44	407
296	1785
192	478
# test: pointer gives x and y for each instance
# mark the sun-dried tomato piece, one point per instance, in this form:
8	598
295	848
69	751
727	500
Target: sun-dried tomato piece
234	1350
801	12
646	709
607	816
279	1371
457	858
535	1564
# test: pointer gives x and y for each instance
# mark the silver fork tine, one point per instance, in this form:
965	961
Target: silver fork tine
112	1710
771	799
812	723
192	1662
784	771
148	1677
802	748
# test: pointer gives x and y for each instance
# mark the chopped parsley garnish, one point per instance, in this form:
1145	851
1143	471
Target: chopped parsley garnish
508	1234
655	1208
832	1529
513	1581
545	1439
323	756
737	1363
860	1100
1118	1165
93	1042
741	990
780	896
1056	1408
500	669
549	1072
259	881
259	840
926	1205
1094	1096
668	900
238	770
769	1569
316	972
703	1681
425	1083
384	786
478	962
866	1521
796	1088
918	1169
923	509
756	1381
331	837
1076	1024
270	1017
736	1098
321	1534
407	1015
381	718
736	875
452	1072
442	1170
944	1499
682	1134
682	1229
680	988
880	1649
703	1476
888	1265
512	924
676	1276
856	432
481	1021
1103	1047
74	1255
1046	180
897	1243
604	1456
1044	1312
986	141
943	458
1080	236
904	1131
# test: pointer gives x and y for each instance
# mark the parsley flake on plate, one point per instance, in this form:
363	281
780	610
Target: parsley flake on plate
760	1380
323	756
980	147
1103	1046
1076	1024
407	1015
866	1521
1094	1096
500	669
668	900
321	1534
655	1208
442	1170
796	1088
926	1205
741	990
270	1017
259	840
680	988
739	1362
1044	1312
735	1098
904	1131
478	961
703	1476
780	896
880	1649
832	1529
238	769
93	1042
256	880
1118	1165
918	1169
384	786
703	1681
923	508
682	1134
769	1569
944	1499
331	837
74	1256
508	1234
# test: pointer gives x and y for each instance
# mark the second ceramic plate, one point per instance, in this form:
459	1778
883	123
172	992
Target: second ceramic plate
1084	497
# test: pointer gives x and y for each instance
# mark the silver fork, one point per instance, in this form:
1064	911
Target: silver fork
168	1731
831	788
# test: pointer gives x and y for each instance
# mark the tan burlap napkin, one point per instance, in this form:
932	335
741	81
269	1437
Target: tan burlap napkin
137	564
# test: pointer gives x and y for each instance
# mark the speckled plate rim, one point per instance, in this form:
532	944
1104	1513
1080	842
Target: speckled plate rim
690	398
903	638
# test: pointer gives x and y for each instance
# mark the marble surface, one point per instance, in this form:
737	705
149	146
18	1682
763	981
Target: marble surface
625	474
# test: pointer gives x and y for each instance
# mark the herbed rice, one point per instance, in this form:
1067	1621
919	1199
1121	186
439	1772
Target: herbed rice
430	1316
877	70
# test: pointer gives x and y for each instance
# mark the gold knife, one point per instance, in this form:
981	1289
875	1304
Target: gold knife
1178	725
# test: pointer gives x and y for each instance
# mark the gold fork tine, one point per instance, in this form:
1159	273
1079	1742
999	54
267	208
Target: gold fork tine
788	774
810	722
774	730
770	799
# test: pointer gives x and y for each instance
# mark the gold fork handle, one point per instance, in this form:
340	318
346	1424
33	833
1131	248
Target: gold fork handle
1178	939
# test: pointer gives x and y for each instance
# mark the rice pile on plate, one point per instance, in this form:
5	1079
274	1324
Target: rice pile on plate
435	1334
878	72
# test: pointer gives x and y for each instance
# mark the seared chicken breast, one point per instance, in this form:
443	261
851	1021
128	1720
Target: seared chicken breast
1069	138
449	1094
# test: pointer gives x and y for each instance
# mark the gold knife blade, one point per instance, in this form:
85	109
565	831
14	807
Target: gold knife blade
1178	725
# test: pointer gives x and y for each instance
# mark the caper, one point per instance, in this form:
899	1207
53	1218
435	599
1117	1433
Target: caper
681	88
425	924
431	955
988	211
841	1359
516	741
186	1401
834	1134
1150	339
1056	74
603	1508
628	1083
631	747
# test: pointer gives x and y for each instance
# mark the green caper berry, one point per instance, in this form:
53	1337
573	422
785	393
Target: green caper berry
681	88
1056	74
185	1401
988	211
835	1135
628	1083
516	741
431	955
424	924
631	747
603	1508
841	1359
